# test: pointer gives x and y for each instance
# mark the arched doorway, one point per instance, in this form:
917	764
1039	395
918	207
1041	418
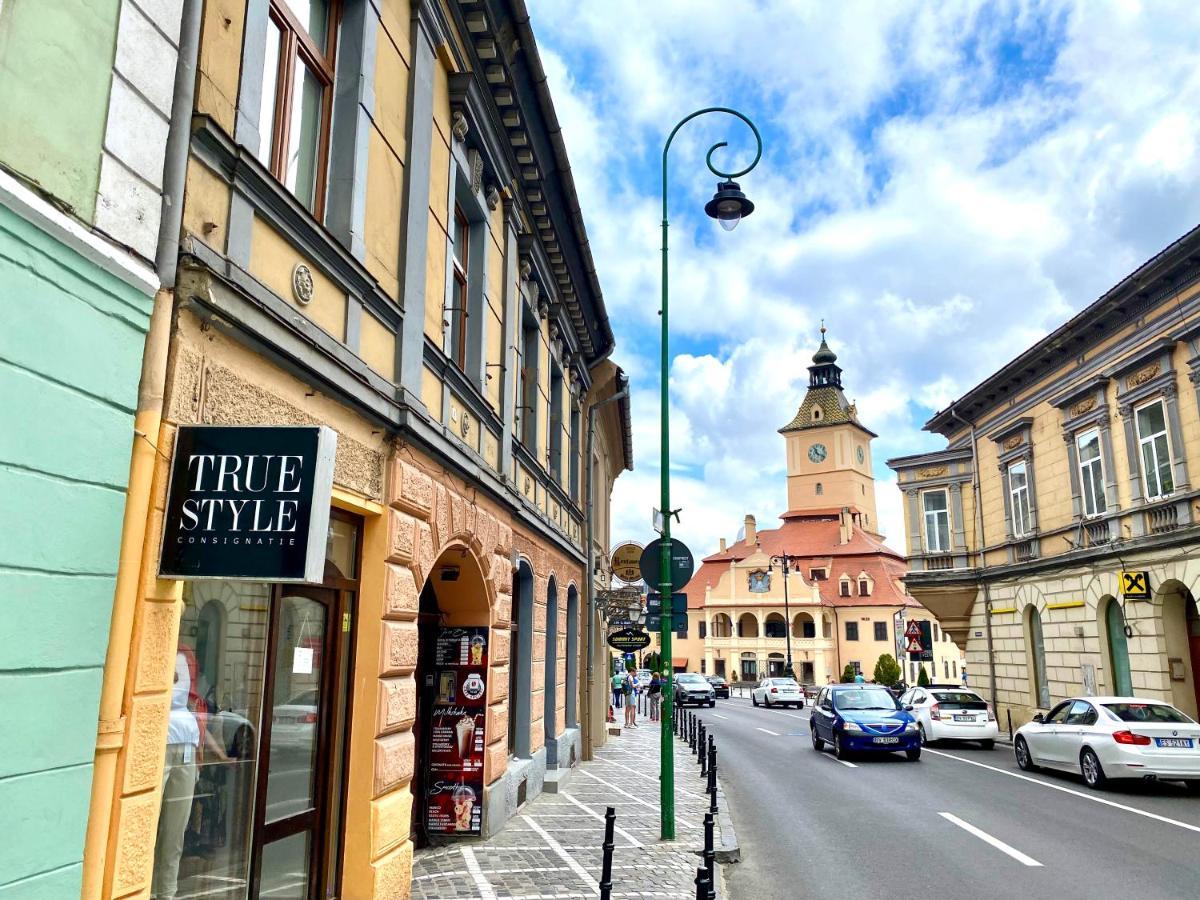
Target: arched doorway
775	626
549	685
520	662
1181	629
1035	651
775	663
454	596
747	626
803	626
572	657
722	626
749	667
1116	645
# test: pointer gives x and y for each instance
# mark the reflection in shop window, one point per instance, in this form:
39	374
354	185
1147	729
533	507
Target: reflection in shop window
204	827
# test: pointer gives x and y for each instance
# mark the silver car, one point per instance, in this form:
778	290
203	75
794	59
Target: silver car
693	688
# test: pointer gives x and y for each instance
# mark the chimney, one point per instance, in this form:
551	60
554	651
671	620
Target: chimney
751	530
845	528
722	545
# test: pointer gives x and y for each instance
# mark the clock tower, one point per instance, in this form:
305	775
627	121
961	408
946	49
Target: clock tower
828	449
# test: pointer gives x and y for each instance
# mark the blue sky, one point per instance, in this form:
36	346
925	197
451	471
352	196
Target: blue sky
943	183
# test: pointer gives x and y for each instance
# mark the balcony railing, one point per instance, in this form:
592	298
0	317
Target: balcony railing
1025	550
1096	534
1162	519
939	563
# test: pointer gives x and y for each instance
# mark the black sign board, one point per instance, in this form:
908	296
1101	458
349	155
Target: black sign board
678	603
678	621
926	641
628	640
249	502
682	564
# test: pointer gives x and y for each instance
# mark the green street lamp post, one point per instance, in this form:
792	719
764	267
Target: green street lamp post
728	206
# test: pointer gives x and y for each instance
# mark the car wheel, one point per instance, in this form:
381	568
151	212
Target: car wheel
712	704
753	699
921	732
767	700
839	749
1093	772
1193	786
987	745
1024	760
818	744
914	754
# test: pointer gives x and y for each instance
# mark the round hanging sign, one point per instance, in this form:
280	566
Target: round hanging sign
626	562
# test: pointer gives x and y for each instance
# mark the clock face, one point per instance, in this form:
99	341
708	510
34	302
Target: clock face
861	456
817	453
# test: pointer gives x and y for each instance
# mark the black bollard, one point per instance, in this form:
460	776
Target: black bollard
705	737
710	856
610	821
712	780
701	885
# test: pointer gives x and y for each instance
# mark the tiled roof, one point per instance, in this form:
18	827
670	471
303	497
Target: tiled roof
834	410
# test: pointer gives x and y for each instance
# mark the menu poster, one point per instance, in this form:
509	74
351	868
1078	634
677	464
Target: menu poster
454	800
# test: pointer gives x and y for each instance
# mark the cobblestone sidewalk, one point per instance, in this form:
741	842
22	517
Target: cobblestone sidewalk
551	848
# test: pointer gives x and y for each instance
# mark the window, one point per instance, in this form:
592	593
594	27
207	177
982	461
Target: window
703	630
556	423
1091	473
818	574
702	666
857	666
852	631
934	625
864	587
881	631
527	401
1155	450
1018	493
461	248
1039	687
937	521
844	587
573	463
775	626
297	97
820	489
1082	713
946	667
954	668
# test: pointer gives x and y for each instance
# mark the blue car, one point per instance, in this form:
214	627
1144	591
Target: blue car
863	718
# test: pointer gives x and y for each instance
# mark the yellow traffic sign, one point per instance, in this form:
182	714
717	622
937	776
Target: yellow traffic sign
1135	585
626	562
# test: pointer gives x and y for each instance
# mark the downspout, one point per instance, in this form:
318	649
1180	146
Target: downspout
147	425
981	544
589	524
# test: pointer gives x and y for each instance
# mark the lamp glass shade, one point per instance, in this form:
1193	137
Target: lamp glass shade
729	205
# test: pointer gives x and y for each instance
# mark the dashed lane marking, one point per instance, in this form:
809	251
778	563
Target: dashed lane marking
994	841
768	731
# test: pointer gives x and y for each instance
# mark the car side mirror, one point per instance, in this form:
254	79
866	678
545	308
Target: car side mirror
909	707
1039	718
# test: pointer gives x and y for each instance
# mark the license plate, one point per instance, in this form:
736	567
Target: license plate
964	718
1186	743
886	740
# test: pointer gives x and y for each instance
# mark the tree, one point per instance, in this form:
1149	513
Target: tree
887	670
652	661
923	678
848	674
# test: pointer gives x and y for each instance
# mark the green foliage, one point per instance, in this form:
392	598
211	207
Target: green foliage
630	665
652	661
887	670
848	674
922	678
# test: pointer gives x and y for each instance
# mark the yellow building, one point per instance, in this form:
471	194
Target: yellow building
1071	465
379	236
843	603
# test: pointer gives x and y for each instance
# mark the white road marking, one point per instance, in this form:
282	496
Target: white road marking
595	815
844	762
486	891
994	841
719	716
780	712
1067	790
564	856
765	731
609	784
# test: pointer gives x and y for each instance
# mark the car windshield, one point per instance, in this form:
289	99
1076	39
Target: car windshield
785	682
688	678
1146	712
875	698
716	679
959	700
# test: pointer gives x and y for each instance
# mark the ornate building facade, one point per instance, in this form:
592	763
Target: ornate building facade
845	602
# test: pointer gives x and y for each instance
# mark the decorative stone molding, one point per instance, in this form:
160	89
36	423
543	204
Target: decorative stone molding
932	472
1014	442
1083	406
302	284
459	125
475	161
492	196
1142	375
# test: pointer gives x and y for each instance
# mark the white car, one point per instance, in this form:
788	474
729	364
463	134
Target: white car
777	692
951	714
1105	738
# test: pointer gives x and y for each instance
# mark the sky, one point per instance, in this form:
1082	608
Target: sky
942	183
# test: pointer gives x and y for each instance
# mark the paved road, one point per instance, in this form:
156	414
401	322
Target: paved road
962	822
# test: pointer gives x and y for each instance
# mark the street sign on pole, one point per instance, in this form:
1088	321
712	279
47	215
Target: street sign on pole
678	603
682	564
912	645
625	562
913	630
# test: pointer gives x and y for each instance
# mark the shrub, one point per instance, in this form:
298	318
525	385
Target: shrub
887	670
848	674
923	678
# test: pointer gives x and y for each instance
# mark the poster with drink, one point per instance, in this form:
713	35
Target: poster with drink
454	800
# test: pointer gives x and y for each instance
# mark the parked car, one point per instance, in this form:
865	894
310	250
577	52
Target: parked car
778	692
1105	738
695	689
951	714
864	717
294	724
642	679
719	685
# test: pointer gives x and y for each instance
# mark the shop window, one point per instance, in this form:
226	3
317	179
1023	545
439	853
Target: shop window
1091	473
937	521
881	631
852	631
1154	450
297	97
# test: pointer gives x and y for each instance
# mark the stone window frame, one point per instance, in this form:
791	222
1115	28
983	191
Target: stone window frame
1142	379
1084	408
924	515
1014	445
864	578
845	586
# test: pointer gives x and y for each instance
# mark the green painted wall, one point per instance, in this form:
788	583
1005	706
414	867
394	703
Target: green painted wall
71	338
56	60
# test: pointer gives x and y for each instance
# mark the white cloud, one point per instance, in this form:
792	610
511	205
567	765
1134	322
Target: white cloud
943	183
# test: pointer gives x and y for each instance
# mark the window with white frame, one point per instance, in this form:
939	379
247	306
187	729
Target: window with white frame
1018	494
1155	450
1091	473
458	307
937	521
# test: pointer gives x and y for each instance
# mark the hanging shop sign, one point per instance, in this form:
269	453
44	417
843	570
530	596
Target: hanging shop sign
454	799
1135	585
625	562
249	503
628	640
682	564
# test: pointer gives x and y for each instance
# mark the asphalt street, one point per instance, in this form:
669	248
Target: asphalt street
960	822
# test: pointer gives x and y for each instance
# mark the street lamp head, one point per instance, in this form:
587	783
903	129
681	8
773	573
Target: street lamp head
729	205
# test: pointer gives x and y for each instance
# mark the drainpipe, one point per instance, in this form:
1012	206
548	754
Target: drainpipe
110	736
589	524
979	536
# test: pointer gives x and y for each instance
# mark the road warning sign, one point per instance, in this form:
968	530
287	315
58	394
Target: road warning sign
913	630
913	645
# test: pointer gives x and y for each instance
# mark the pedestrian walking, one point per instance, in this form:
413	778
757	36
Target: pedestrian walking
618	689
630	702
654	694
